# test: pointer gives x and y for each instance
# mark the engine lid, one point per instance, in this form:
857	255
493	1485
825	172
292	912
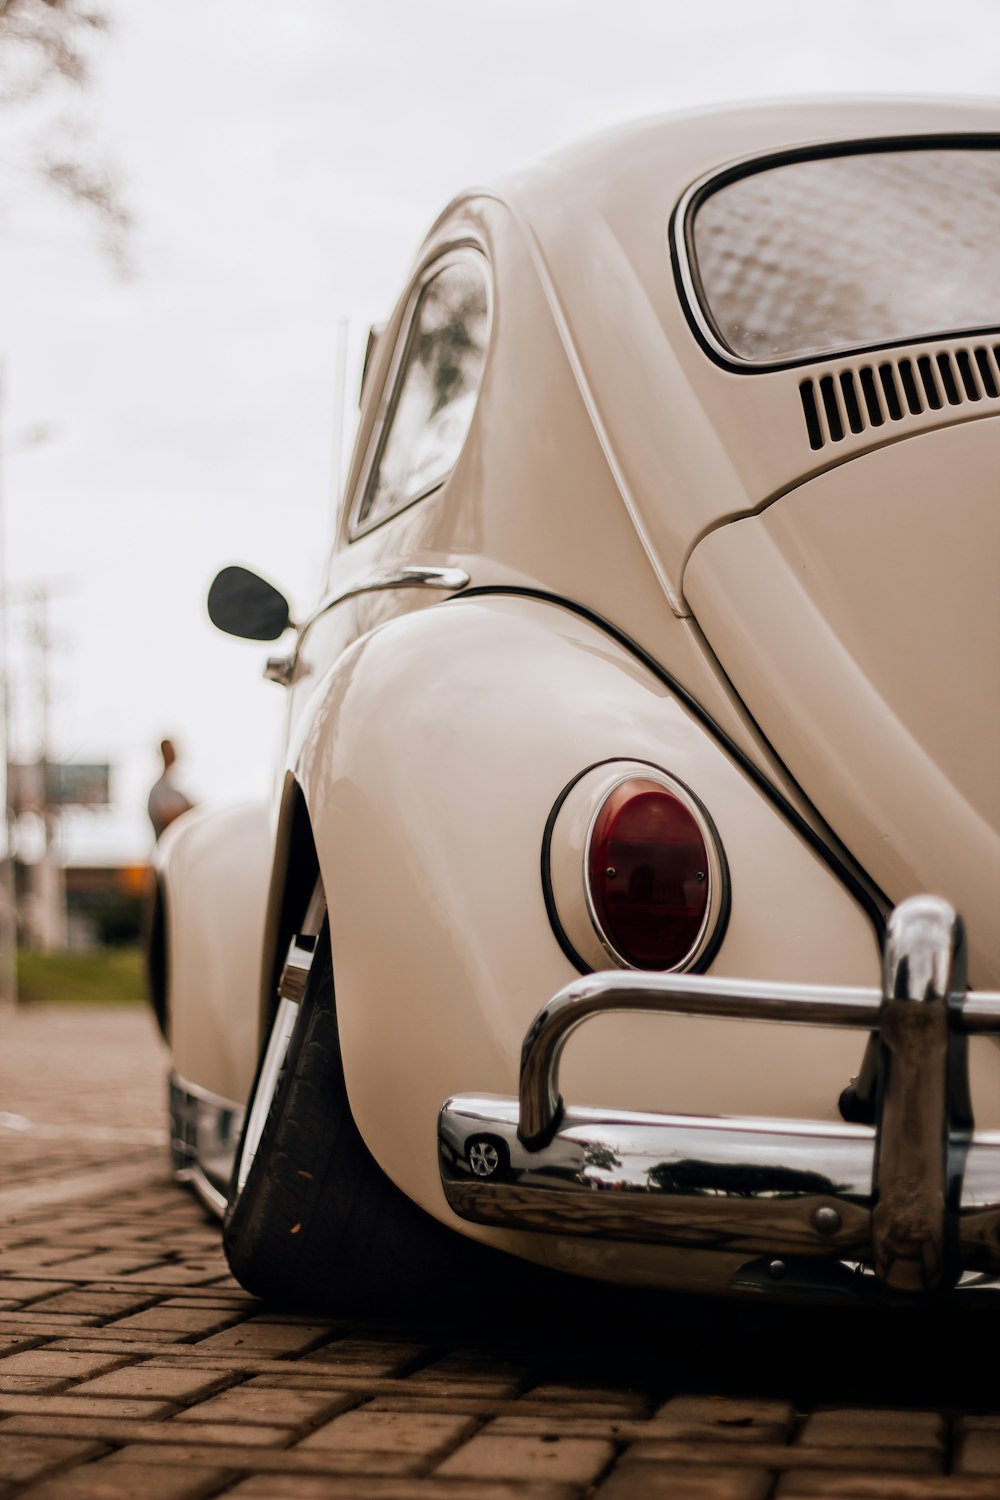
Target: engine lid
858	616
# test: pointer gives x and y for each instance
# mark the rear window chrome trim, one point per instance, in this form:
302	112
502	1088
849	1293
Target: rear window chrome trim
680	243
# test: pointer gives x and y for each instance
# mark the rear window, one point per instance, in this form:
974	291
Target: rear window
812	257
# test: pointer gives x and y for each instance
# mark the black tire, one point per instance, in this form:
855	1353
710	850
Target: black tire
318	1224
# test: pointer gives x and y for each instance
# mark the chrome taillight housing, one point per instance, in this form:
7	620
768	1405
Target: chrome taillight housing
636	873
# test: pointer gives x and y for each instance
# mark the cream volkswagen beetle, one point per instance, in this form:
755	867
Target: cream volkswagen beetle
652	686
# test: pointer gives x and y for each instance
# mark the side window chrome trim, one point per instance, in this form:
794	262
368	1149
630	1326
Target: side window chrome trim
468	251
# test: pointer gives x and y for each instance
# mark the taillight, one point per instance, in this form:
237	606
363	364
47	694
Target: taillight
634	872
648	874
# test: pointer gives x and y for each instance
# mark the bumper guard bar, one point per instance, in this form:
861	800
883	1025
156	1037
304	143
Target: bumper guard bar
915	1196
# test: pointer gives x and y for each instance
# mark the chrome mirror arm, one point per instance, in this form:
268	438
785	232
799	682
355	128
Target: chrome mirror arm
448	579
281	669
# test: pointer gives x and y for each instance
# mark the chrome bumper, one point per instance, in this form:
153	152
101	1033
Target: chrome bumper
204	1132
915	1196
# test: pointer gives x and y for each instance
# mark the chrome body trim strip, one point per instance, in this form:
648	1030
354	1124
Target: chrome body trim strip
917	1195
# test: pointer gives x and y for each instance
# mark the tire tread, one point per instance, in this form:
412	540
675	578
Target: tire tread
318	1223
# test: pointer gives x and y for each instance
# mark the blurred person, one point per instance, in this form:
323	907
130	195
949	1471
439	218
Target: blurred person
166	801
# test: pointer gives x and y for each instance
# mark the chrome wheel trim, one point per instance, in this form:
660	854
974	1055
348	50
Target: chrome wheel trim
267	1085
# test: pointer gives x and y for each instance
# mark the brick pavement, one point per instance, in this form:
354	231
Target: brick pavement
132	1365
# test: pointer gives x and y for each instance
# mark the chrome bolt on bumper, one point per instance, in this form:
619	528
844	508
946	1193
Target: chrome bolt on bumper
915	1197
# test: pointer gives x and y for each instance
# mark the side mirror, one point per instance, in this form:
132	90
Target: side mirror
241	603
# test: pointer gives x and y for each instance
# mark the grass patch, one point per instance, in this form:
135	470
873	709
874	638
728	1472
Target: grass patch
110	976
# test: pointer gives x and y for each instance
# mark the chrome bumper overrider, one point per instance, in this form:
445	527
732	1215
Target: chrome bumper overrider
205	1129
914	1197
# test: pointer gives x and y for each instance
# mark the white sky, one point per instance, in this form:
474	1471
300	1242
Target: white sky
283	163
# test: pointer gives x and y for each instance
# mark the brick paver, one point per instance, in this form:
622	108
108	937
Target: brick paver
132	1365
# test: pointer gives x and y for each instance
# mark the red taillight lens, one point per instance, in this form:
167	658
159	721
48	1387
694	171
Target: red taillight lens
649	875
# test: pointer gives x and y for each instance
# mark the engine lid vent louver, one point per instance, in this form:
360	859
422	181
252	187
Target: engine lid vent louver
871	395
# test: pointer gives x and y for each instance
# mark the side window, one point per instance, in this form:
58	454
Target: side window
434	391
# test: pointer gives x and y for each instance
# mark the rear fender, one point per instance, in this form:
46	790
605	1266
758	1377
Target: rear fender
430	759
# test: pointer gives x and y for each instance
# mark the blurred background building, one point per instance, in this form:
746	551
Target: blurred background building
72	894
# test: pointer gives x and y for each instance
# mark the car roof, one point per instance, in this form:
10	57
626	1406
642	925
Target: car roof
596	217
679	147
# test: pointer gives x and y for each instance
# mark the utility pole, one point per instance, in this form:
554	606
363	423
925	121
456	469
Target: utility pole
339	400
8	890
8	880
49	899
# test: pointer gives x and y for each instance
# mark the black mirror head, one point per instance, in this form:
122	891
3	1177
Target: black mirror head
241	603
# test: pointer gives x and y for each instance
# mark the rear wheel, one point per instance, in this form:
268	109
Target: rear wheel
313	1221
